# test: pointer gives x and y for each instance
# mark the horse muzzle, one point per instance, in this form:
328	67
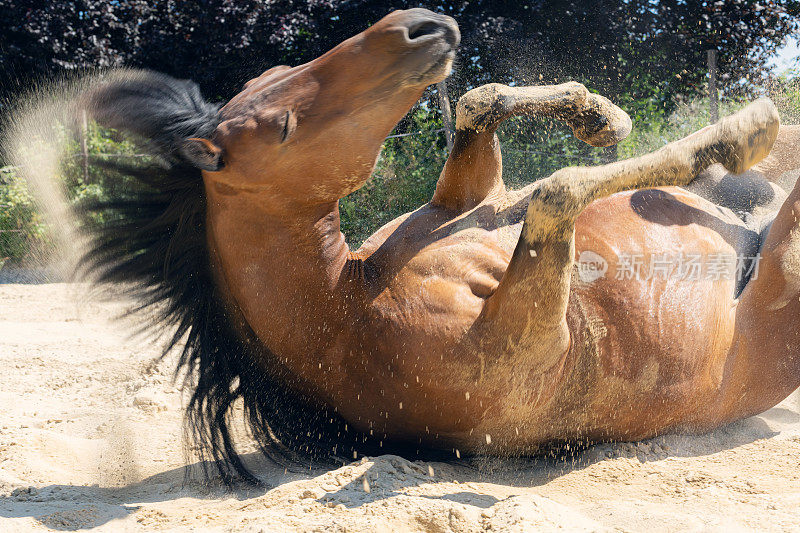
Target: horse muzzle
424	27
429	42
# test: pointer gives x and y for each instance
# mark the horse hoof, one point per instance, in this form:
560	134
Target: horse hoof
750	133
600	123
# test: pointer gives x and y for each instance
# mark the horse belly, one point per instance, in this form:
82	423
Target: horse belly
656	303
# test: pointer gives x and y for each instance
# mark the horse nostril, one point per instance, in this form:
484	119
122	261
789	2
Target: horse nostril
420	27
423	29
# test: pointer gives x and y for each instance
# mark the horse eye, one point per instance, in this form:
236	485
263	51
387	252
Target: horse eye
289	125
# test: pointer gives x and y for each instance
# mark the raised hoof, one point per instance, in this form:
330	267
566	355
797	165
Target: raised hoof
600	123
749	134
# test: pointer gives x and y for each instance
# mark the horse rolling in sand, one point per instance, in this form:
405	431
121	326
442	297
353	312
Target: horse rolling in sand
463	325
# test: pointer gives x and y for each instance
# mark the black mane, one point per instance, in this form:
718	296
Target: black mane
149	240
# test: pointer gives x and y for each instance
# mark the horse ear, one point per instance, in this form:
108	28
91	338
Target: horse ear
202	153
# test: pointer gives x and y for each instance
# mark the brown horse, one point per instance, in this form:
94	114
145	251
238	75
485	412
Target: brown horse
486	321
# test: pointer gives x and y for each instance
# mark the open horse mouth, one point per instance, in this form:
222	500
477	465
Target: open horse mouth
434	35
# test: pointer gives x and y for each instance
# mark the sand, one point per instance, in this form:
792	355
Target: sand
91	439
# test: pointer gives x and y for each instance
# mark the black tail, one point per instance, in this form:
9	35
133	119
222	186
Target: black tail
150	240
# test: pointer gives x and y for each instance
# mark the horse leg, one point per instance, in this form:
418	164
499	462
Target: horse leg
528	309
763	367
473	171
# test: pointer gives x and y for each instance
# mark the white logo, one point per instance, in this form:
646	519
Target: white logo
591	266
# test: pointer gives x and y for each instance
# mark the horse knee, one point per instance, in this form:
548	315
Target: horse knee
482	108
555	204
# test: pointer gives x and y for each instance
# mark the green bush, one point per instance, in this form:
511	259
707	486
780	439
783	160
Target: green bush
688	117
21	227
535	148
785	92
24	235
404	178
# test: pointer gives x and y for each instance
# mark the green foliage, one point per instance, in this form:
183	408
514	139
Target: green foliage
534	148
20	225
687	117
23	228
693	114
101	144
785	92
404	178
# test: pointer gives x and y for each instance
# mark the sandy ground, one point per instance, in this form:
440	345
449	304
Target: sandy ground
91	439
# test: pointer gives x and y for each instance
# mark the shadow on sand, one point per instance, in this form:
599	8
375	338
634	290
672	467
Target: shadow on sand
75	507
30	275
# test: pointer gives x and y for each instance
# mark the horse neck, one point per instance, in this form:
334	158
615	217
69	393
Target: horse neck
281	268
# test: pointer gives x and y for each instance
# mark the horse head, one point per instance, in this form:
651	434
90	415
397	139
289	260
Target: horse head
339	107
